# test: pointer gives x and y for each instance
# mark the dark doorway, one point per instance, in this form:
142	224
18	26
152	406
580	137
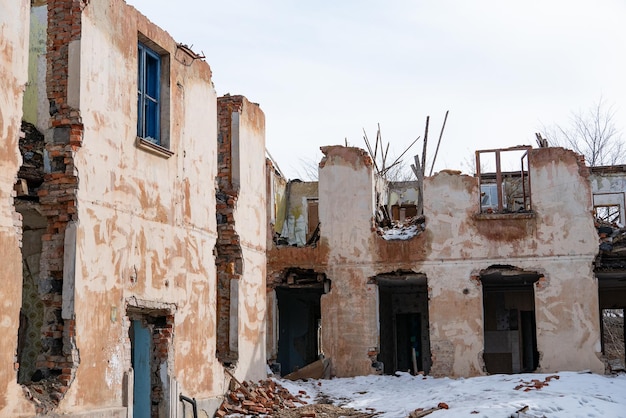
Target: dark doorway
408	337
612	298
299	322
509	320
403	315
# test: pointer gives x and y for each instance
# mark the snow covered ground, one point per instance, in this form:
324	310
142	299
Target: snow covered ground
565	394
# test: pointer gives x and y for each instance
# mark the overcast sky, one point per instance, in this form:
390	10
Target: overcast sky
324	70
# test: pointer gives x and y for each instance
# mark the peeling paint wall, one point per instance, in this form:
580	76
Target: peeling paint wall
146	223
131	228
456	245
14	33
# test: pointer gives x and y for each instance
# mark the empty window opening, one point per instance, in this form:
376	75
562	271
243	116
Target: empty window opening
150	341
404	327
612	297
504	191
509	320
299	319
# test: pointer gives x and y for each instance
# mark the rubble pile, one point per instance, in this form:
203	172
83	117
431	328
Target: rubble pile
405	229
263	398
612	246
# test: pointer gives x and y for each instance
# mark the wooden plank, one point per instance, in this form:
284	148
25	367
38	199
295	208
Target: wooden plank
21	187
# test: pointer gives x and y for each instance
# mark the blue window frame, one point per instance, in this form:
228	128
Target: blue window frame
148	94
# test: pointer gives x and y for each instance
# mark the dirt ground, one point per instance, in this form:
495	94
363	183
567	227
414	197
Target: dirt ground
322	411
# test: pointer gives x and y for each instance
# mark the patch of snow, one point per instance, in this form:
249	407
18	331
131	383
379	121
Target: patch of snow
401	233
569	395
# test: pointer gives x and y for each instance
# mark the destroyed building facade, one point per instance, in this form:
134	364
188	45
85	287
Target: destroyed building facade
133	224
498	274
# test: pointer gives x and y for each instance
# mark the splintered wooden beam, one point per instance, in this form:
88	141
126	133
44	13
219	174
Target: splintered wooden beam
21	187
419	173
443	126
369	148
425	144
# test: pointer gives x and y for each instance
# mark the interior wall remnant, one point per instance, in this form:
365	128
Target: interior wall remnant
32	311
404	324
509	320
34	224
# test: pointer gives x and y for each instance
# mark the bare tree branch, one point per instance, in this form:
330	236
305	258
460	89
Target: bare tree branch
591	133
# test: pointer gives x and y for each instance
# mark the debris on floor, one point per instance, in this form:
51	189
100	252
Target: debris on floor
612	241
323	411
263	398
535	384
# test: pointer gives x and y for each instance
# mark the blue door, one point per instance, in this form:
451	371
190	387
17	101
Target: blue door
141	366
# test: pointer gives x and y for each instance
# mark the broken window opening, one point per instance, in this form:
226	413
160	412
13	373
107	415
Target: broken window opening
403	219
300	319
504	191
301	224
150	333
404	323
610	214
510	332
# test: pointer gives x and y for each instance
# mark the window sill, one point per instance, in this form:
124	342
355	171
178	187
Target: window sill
506	216
153	148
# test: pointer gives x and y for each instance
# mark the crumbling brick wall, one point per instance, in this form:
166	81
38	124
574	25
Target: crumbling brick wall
229	255
57	196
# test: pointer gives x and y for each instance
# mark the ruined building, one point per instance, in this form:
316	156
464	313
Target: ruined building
132	224
140	272
495	273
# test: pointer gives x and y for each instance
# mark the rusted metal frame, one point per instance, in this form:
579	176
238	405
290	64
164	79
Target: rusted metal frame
515	148
530	206
499	181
